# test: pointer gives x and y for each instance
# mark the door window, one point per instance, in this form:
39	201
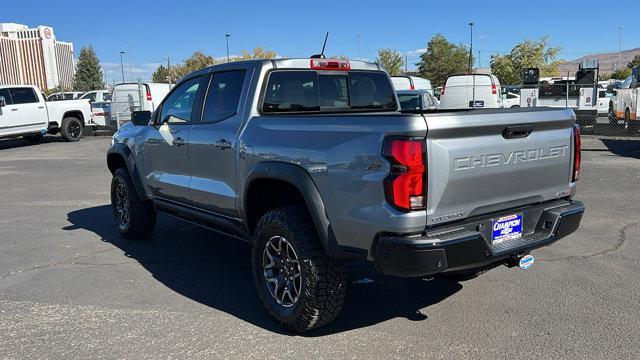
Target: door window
23	95
91	96
177	107
7	96
223	96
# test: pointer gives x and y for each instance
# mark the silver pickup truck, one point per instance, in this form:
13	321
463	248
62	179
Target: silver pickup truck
311	161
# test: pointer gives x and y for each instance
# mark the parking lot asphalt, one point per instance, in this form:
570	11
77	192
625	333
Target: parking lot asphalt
71	287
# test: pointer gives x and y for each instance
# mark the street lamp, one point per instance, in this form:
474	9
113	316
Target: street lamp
168	69
122	65
226	37
471	47
359	47
620	49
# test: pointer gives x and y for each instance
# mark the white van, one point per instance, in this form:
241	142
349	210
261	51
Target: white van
471	91
402	82
128	97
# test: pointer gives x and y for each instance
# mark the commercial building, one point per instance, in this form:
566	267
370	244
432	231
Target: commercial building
34	57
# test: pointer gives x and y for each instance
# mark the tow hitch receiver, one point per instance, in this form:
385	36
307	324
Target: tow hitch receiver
524	261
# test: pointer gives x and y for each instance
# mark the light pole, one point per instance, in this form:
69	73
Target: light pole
470	47
620	50
122	65
226	37
168	69
359	47
129	54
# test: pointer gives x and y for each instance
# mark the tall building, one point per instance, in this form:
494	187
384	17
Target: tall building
34	57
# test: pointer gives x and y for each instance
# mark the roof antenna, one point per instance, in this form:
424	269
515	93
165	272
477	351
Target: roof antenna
321	55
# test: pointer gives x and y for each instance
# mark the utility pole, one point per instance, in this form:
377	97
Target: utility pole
471	47
479	58
359	47
620	50
226	37
122	65
406	62
168	69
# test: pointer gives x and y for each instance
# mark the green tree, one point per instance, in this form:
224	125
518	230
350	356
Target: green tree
88	71
257	53
391	60
634	62
529	53
443	59
198	60
161	75
621	74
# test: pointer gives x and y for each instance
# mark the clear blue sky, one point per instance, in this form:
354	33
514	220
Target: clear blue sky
162	28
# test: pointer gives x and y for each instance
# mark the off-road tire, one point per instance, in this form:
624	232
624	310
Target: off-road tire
142	216
71	129
323	278
34	138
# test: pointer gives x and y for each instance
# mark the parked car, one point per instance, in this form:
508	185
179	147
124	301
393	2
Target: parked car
128	97
24	112
416	100
510	100
101	114
98	96
279	154
70	95
624	105
405	82
471	91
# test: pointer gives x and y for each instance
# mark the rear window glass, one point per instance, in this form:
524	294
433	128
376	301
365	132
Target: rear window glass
410	101
311	91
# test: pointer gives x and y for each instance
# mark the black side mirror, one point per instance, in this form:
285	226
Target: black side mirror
3	102
614	92
141	118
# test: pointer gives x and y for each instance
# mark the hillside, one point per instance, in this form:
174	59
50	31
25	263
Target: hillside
607	61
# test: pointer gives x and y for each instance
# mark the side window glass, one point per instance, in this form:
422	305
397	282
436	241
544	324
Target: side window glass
23	95
223	96
90	96
177	107
7	96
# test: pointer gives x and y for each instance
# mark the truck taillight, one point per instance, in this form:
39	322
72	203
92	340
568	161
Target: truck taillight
148	95
494	89
577	149
405	185
442	90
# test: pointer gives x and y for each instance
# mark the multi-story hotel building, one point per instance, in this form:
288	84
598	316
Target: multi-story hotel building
34	57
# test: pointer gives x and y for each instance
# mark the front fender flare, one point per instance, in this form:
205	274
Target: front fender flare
124	152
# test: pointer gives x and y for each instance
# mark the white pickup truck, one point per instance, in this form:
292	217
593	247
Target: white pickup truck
24	112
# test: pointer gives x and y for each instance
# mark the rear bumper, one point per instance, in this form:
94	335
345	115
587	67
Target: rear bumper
467	244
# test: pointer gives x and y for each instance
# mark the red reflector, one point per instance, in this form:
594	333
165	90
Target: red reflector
330	64
148	95
404	188
577	149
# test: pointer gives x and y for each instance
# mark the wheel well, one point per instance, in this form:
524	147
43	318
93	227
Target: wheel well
75	114
115	161
264	195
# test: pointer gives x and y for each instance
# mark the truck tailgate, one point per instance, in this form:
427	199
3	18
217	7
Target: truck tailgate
483	161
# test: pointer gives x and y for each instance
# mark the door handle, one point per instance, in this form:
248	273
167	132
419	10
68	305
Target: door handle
14	109
179	141
222	144
40	107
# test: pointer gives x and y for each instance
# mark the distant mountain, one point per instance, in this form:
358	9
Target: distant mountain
607	61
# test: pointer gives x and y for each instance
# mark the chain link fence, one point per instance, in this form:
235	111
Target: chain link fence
601	112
